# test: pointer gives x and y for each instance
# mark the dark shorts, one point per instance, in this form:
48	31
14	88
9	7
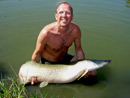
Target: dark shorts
67	58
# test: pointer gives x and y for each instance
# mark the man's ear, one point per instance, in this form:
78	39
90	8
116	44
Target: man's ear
56	16
72	17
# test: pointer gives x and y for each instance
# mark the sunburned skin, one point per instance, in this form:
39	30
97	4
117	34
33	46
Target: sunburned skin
59	47
55	38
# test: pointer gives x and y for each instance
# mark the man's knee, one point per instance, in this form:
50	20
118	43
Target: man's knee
74	59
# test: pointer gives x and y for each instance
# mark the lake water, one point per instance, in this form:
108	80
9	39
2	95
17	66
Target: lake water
105	26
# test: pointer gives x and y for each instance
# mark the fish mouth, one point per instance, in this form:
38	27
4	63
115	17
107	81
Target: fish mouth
23	79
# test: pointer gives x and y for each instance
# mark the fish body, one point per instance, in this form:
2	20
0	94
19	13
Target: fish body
60	73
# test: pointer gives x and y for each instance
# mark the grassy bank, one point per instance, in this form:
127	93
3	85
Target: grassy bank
10	88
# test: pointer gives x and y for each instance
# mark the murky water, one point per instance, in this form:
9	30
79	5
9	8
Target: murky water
105	26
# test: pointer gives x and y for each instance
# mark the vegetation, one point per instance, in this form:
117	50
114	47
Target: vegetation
9	88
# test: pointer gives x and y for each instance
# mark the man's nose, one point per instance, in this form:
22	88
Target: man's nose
64	14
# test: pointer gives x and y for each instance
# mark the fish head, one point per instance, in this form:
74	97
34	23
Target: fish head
28	79
26	74
24	79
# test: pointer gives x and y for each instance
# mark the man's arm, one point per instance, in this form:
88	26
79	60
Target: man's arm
41	41
80	53
78	47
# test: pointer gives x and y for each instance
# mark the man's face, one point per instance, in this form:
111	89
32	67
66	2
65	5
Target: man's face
64	15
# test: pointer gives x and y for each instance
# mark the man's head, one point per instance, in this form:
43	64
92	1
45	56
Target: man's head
66	4
64	14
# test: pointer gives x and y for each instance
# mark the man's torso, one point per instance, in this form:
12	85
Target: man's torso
58	43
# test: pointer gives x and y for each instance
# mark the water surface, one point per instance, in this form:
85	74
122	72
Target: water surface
105	27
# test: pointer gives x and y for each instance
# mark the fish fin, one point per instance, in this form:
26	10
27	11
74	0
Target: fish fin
43	84
83	74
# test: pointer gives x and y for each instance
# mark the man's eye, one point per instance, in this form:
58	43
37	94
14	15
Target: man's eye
60	12
68	13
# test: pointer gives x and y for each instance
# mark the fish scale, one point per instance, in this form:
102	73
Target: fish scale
58	73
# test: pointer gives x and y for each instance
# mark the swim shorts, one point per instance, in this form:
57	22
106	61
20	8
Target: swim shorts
67	58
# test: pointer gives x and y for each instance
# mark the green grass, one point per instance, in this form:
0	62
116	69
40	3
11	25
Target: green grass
10	88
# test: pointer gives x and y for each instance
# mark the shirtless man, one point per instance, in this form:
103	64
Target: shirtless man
55	39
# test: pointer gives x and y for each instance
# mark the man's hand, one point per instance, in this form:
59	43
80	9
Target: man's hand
90	73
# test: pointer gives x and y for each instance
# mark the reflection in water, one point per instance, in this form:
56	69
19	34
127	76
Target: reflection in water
128	3
53	90
80	88
3	71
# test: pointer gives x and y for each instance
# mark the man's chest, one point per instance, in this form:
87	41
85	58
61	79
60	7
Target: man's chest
57	42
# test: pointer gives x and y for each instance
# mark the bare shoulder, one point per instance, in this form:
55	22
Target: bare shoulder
44	33
76	29
47	28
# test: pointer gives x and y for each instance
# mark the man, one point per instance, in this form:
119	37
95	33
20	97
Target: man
55	38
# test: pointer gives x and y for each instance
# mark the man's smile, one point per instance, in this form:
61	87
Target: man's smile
63	20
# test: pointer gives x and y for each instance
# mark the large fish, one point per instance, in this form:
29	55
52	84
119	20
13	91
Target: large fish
32	72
